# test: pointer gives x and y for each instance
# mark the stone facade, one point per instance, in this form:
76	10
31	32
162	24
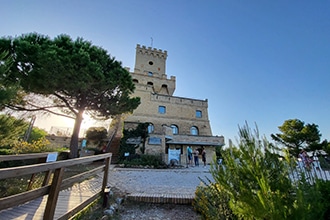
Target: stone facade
175	122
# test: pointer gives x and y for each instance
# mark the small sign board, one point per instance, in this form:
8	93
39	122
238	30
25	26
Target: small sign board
51	157
174	154
83	143
133	140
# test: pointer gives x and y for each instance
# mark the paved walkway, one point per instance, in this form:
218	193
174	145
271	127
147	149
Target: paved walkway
148	185
161	181
159	185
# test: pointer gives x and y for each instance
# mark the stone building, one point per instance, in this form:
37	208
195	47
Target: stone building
174	122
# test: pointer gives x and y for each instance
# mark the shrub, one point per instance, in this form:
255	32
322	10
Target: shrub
254	183
5	151
212	203
324	189
144	160
38	146
324	164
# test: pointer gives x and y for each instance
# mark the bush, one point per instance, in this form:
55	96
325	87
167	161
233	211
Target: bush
324	189
5	151
254	183
144	160
212	203
38	146
324	164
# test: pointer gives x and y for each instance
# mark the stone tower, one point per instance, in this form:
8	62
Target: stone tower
174	122
149	70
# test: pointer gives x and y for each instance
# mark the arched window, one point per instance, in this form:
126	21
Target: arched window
150	128
135	81
175	129
194	130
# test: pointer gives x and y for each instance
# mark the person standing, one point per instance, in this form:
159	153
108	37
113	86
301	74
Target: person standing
204	156
189	155
196	153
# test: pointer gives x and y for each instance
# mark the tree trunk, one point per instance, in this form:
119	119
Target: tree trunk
75	135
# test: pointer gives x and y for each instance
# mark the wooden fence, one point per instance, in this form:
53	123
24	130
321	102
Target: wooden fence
52	186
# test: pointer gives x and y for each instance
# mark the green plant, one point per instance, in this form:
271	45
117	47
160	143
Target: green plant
218	152
212	203
40	145
324	188
145	160
255	179
324	164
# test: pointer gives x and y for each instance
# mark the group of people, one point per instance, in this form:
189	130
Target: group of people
195	155
307	161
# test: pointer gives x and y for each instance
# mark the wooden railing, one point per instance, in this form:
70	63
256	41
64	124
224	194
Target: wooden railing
58	183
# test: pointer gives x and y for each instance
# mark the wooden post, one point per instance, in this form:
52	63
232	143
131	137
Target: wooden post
32	179
53	194
47	177
106	172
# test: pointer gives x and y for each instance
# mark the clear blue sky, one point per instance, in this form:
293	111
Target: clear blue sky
259	61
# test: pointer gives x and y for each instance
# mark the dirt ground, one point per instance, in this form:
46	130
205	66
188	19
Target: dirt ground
145	211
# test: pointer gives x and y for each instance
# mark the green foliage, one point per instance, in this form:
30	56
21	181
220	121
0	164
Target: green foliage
96	133
140	132
38	146
74	76
218	152
324	189
326	148
212	203
144	160
324	164
297	135
94	210
37	134
4	151
256	182
11	130
14	186
125	148
9	91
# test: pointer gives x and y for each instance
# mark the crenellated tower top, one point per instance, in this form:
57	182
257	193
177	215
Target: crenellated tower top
151	51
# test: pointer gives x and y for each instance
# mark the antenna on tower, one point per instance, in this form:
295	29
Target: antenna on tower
152	41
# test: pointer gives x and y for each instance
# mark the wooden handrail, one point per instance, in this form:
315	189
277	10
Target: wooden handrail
57	184
36	168
23	156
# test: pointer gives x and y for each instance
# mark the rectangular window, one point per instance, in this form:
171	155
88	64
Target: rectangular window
198	114
162	109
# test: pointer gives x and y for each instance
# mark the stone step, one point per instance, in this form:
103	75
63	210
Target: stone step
161	198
